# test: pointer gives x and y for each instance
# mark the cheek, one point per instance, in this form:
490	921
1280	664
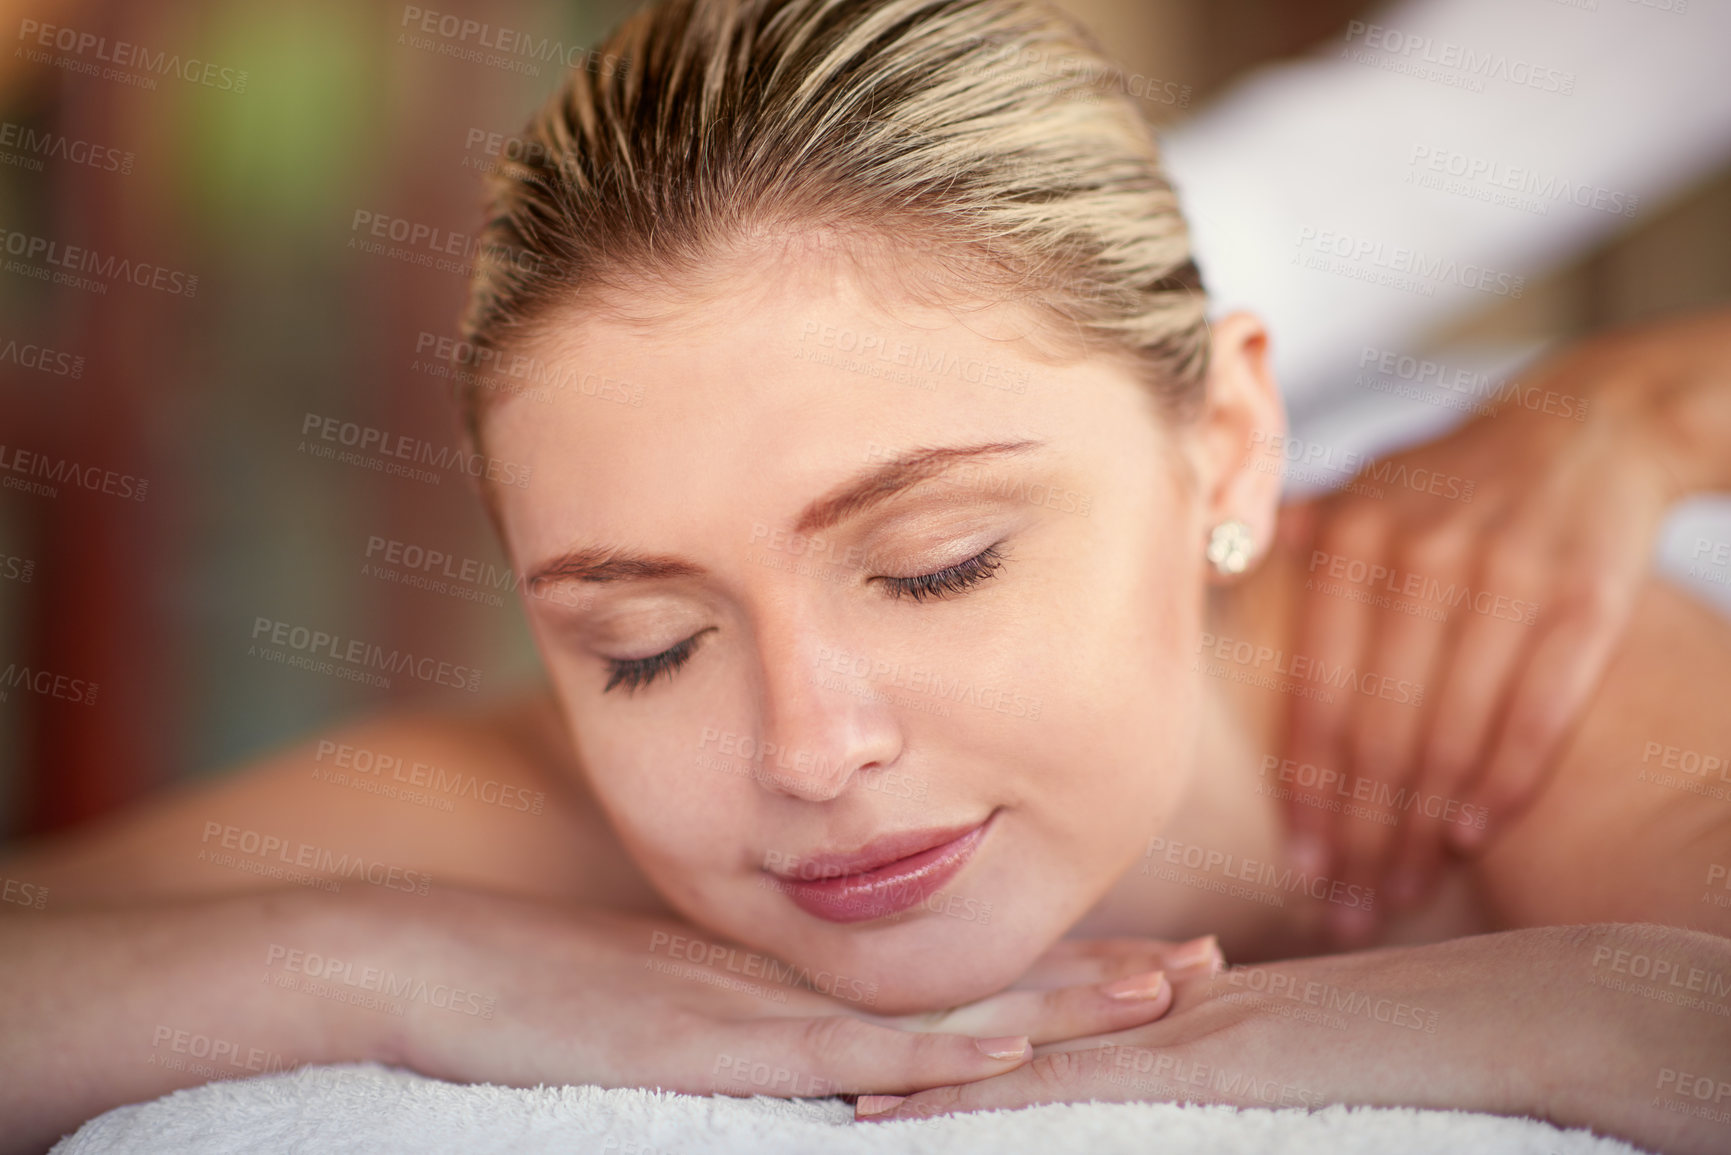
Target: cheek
677	797
1118	742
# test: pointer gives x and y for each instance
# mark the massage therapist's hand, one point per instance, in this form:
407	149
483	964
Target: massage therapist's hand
1478	585
1529	1022
555	995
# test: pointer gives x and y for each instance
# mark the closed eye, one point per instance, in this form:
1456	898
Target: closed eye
633	673
950	580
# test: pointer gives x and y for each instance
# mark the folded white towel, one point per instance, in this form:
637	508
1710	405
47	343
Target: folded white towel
366	1108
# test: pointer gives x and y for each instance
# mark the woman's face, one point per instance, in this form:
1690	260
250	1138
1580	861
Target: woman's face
770	695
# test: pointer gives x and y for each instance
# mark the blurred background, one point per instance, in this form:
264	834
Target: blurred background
197	169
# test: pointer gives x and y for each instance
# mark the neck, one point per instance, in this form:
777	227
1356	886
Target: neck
1227	815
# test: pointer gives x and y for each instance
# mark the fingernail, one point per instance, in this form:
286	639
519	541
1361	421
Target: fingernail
1195	953
1307	853
875	1104
1006	1047
1143	986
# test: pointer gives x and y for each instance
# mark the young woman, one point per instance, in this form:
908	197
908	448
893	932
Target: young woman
921	653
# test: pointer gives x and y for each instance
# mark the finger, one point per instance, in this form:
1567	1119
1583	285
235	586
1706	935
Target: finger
1482	664
1054	1077
833	1055
1332	633
1075	962
1553	690
1478	674
1055	1016
1411	628
1417	619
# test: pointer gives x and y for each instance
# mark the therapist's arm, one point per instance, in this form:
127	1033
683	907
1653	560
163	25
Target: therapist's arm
1486	579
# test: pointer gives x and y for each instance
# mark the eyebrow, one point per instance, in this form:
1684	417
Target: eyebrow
850	499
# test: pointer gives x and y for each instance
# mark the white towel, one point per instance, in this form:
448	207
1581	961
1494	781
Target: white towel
372	1110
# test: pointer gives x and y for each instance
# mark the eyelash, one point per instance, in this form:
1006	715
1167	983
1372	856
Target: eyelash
635	673
950	580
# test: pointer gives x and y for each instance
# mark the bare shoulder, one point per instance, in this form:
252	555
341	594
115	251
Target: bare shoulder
1635	824
491	798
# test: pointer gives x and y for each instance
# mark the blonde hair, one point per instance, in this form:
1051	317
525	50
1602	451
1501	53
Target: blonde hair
989	137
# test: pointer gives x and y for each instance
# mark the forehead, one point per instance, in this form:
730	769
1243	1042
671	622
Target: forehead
753	397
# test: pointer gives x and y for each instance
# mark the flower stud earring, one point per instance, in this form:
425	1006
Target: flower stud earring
1229	547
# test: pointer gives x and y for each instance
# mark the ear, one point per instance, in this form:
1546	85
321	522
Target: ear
1242	416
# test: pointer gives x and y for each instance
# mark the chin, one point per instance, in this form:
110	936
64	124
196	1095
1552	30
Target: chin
936	968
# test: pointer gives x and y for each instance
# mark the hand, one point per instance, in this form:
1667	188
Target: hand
586	997
1481	625
1520	1023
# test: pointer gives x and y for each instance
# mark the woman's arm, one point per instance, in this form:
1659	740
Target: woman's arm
106	1006
1547	1022
110	1006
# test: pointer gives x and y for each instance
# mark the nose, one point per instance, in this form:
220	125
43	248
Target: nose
822	726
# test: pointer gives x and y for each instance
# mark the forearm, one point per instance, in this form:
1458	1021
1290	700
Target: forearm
1641	1037
106	1007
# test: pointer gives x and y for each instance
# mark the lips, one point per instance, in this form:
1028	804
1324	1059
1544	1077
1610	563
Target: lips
884	877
